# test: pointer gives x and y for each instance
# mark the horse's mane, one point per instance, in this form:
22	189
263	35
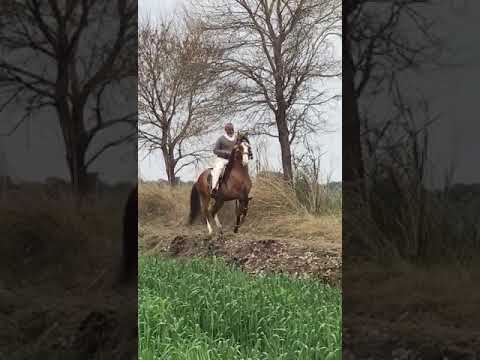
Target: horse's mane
229	166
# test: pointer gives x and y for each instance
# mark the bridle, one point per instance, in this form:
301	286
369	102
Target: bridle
247	150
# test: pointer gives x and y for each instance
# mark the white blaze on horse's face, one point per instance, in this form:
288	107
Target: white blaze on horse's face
245	148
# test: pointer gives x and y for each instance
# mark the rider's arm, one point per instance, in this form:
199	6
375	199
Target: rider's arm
219	151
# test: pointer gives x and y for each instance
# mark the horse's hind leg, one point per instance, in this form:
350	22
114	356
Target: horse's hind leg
205	203
216	208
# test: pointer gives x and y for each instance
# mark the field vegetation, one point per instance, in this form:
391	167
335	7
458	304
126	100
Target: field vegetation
205	309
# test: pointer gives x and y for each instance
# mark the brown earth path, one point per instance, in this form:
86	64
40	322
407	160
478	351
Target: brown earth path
308	254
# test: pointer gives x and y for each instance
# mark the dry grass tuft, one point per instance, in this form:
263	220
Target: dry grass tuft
274	210
162	202
304	229
272	196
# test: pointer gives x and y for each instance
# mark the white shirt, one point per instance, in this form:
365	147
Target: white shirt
231	138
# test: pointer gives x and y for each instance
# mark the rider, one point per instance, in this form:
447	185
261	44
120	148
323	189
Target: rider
223	149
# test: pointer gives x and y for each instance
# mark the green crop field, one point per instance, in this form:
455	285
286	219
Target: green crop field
204	309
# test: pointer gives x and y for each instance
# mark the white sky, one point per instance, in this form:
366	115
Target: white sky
151	167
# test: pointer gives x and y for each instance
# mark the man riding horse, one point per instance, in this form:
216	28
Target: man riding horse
233	154
223	149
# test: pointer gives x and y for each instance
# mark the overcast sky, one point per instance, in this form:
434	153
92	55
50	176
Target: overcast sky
454	93
451	92
151	166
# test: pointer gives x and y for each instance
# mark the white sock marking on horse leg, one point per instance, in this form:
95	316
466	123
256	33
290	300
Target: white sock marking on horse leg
209	227
217	221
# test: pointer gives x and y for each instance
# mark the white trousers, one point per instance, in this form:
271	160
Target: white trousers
218	166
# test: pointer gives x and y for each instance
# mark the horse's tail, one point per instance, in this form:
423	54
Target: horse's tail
194	204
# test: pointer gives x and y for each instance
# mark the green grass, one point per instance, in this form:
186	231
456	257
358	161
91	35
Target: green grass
204	309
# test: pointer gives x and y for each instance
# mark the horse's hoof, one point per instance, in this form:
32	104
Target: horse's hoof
235	230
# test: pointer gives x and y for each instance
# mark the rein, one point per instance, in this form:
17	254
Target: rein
229	166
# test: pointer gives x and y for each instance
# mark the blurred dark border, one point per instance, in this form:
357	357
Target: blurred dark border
411	185
68	179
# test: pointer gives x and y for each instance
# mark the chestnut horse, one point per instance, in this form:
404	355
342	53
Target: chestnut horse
235	184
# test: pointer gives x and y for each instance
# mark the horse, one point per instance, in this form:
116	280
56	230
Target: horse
235	184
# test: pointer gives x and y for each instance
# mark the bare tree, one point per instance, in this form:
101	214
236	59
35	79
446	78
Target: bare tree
180	98
385	44
377	51
275	54
55	54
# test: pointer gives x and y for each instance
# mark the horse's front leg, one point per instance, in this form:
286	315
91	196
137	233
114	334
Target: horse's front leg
242	210
244	214
238	213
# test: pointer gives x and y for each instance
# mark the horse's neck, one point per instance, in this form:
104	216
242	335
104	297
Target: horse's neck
237	165
234	165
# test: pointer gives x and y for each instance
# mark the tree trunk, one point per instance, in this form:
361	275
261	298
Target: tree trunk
169	161
78	172
283	138
281	113
353	189
74	135
353	170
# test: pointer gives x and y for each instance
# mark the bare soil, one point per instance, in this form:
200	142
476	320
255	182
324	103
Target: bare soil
252	251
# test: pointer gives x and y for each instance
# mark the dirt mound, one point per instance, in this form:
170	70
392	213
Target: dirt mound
260	255
196	246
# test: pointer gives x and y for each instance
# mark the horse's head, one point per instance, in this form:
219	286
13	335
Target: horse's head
243	149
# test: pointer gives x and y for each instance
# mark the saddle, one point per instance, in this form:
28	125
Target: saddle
209	178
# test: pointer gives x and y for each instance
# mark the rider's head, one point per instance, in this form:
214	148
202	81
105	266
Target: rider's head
229	129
